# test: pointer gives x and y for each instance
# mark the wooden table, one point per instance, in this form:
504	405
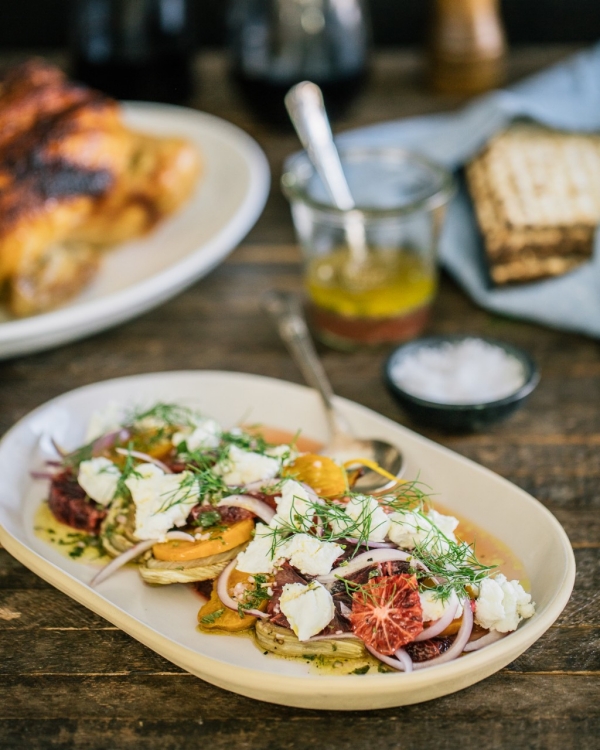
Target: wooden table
71	680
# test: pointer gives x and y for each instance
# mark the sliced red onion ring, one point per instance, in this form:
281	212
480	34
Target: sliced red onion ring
460	641
311	493
485	640
144	457
43	474
374	545
368	558
440	625
258	507
134	552
223	593
404	659
108	440
400	661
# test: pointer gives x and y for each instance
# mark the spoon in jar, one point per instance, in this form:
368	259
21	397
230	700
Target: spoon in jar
286	311
305	106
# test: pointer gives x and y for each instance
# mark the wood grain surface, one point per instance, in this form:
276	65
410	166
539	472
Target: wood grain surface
71	680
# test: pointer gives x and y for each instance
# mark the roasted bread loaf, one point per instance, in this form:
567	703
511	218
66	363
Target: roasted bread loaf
73	180
537	199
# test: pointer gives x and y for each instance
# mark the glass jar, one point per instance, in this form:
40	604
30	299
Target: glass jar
275	44
384	296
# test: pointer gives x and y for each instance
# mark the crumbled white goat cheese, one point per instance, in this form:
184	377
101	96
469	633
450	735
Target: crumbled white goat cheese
285	453
310	555
366	520
99	478
267	551
206	434
260	556
151	423
502	604
308	609
409	529
433	607
295	508
161	501
240	467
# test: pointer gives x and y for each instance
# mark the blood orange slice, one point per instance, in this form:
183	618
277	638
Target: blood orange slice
386	612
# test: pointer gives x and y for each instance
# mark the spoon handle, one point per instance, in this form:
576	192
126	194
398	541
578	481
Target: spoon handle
306	108
286	311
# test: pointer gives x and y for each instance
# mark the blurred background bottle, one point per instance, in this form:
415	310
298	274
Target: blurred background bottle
134	49
275	44
467	46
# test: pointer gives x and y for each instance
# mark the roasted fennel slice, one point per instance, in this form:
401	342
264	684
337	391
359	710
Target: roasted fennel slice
283	642
117	530
203	569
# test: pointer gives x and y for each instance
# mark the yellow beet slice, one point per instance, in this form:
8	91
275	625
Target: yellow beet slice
214	615
327	478
221	540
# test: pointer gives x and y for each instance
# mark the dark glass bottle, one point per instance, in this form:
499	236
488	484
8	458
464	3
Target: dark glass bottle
275	44
134	49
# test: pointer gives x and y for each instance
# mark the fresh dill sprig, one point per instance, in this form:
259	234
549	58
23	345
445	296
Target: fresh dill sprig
202	484
253	598
128	471
408	496
171	415
208	519
246	441
455	566
80	542
334	523
363	589
78	456
212	617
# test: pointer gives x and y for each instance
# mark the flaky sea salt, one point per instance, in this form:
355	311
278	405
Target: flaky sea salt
471	371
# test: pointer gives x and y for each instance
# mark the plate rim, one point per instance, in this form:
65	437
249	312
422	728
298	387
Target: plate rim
301	689
101	313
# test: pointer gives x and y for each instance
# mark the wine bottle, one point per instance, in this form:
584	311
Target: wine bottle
134	49
275	44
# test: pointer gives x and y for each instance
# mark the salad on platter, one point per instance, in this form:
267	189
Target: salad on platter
273	537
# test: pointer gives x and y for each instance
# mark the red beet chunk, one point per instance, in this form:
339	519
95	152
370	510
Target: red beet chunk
70	505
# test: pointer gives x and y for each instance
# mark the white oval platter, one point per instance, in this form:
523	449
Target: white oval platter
165	618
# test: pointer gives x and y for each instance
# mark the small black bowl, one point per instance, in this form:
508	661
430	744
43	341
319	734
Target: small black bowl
460	417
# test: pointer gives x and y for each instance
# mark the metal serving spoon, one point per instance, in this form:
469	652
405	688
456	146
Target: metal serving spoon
286	311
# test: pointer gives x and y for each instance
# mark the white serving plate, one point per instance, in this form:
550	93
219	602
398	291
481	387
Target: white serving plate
138	275
164	618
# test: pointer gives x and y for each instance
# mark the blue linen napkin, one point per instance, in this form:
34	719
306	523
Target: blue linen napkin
566	96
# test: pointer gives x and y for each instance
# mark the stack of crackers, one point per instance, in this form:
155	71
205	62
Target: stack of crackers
537	198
